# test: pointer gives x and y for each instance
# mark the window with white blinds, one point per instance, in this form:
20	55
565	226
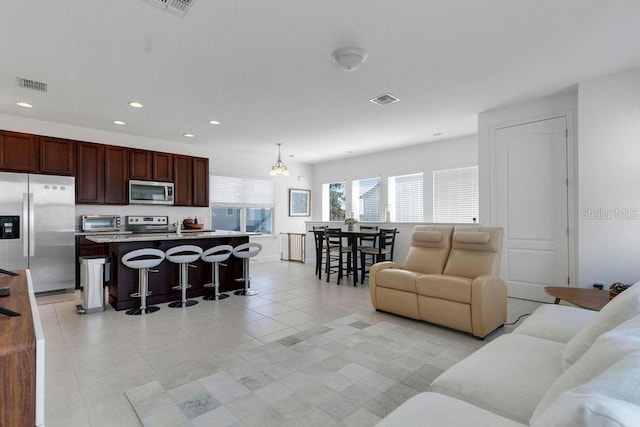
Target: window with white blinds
242	204
249	192
366	193
455	195
406	197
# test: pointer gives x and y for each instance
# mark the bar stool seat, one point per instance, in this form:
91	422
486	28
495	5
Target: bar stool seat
246	251
183	255
215	256
143	260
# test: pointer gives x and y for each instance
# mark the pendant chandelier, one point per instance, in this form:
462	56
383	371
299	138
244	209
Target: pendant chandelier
278	167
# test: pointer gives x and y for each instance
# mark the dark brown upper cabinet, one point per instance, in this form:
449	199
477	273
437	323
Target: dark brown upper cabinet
183	180
162	166
141	164
116	175
200	182
90	173
57	156
19	152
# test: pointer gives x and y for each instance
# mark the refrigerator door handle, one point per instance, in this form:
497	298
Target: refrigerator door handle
24	226
32	228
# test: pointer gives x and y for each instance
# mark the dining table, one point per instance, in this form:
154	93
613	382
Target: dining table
352	234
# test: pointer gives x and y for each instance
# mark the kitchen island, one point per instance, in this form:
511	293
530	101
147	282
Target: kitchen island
124	280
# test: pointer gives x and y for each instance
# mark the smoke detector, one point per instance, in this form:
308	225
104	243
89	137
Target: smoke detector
174	7
385	99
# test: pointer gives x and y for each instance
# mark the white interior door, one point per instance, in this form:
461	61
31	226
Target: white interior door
531	205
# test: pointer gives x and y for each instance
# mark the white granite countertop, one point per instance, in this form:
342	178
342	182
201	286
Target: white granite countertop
113	238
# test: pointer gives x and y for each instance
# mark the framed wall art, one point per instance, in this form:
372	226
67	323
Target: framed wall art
299	202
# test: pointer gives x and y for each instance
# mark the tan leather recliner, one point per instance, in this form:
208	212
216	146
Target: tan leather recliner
450	277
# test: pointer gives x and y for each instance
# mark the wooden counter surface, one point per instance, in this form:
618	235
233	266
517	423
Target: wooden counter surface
17	355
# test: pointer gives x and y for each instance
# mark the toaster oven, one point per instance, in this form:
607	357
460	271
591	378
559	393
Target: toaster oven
100	223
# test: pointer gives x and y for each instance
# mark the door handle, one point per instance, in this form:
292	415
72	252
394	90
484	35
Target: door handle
32	227
24	225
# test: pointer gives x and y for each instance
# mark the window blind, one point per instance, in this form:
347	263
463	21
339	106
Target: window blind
235	191
406	197
455	195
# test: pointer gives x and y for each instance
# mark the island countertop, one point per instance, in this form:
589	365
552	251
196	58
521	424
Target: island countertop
142	237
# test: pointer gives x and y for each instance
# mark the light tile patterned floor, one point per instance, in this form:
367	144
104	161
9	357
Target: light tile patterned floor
91	360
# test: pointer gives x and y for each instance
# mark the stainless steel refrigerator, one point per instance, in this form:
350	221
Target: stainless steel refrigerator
37	221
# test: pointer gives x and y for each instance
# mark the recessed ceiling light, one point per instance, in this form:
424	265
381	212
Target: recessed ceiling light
188	135
24	105
135	104
214	122
436	133
349	152
118	122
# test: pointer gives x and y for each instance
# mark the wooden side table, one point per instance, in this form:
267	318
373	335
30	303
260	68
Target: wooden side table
591	299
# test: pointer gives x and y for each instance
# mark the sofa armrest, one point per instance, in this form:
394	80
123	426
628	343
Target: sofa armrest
372	274
488	304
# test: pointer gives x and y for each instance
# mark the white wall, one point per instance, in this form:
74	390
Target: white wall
609	177
427	157
221	162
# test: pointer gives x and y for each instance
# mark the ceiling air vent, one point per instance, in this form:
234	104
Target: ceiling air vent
174	7
32	84
385	99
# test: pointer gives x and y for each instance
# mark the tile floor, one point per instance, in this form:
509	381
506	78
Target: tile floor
91	360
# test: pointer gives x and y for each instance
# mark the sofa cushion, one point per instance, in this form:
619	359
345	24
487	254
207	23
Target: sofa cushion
609	399
555	322
445	287
621	308
509	376
608	349
573	409
434	409
394	278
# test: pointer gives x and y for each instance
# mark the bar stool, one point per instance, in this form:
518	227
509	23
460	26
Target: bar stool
143	260
215	256
183	255
246	251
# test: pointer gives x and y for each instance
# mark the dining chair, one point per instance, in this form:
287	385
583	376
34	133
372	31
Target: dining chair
334	250
367	241
318	237
383	252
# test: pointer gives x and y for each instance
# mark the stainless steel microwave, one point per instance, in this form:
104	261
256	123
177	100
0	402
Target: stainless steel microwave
150	192
100	222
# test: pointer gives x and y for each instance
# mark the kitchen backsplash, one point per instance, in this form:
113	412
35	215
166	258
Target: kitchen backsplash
175	213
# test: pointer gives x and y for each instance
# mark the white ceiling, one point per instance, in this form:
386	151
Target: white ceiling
264	68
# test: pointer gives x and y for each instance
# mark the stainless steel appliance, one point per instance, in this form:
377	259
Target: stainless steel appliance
100	222
150	192
37	221
147	224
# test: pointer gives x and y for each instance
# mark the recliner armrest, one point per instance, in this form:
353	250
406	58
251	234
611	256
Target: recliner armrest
372	274
488	304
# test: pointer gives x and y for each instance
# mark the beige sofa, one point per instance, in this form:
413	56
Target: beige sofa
450	277
563	366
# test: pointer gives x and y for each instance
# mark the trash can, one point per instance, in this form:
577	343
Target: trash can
94	273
